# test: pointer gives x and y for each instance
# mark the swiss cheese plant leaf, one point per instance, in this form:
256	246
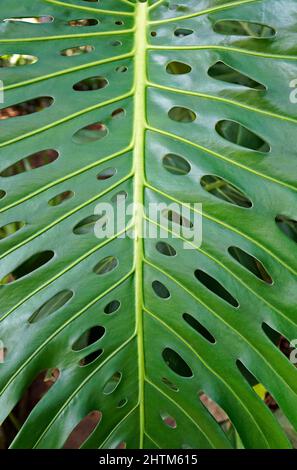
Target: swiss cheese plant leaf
159	341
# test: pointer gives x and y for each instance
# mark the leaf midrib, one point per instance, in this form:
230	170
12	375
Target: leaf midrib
138	157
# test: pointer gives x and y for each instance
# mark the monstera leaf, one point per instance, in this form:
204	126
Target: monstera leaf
149	341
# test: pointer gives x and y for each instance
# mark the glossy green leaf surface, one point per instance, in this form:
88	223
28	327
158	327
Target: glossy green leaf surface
164	101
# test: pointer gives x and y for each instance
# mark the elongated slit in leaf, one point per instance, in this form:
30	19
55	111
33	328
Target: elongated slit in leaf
10	229
242	136
36	160
288	226
27	267
83	430
26	107
17	60
244	28
36	20
176	363
51	306
251	263
90	358
224	73
196	325
216	287
90	336
223	189
112	383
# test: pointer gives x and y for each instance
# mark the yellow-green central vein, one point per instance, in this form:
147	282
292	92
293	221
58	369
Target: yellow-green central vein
138	154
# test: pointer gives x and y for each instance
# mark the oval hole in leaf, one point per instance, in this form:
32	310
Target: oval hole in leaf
29	266
118	113
165	249
196	325
121	69
90	133
214	286
224	190
178	68
91	84
83	430
10	229
60	198
52	305
240	135
83	22
119	22
77	50
115	43
90	336
33	20
16	60
288	226
112	383
169	384
176	218
122	403
106	173
26	107
176	164
181	114
168	420
225	73
160	290
2	193
251	263
244	28
183	32
176	363
90	358
112	307
106	265
86	225
36	160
